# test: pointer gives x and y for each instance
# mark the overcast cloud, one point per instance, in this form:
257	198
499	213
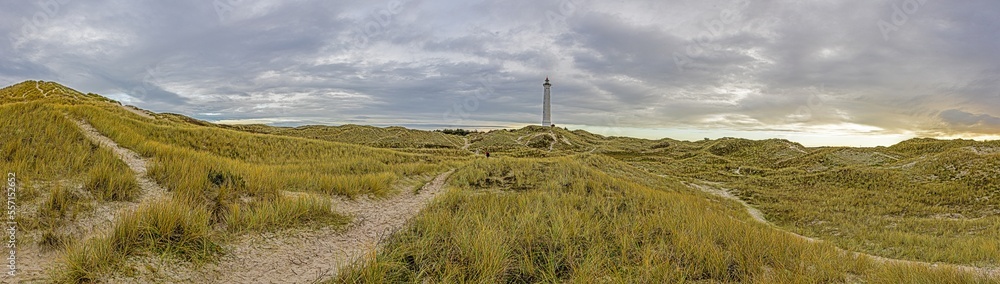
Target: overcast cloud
903	67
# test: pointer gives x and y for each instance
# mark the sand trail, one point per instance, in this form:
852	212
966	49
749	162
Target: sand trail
301	255
759	217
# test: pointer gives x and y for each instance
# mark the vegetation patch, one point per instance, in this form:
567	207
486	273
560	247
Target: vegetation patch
167	228
112	181
286	212
580	223
550	205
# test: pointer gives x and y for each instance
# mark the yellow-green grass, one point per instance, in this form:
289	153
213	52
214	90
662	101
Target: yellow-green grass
237	178
236	181
564	220
884	212
221	182
60	207
59	202
529	141
164	228
111	180
178	229
286	212
182	154
28	91
388	137
923	200
50	158
38	143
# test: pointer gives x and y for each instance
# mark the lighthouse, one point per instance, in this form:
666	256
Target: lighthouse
546	109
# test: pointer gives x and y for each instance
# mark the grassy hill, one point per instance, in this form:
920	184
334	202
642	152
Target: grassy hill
922	199
593	219
555	206
220	182
530	141
389	137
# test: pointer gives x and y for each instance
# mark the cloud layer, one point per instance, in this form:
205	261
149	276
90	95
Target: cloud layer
904	67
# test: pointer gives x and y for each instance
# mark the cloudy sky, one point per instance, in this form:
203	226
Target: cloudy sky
818	72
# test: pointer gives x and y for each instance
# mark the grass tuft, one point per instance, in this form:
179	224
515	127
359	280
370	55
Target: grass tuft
285	212
167	228
112	183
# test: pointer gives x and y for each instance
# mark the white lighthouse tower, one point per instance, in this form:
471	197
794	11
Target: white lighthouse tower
546	110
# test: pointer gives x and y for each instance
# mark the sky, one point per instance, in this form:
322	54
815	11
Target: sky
834	73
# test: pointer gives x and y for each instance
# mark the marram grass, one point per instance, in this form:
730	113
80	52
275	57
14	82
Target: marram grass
546	218
561	220
221	183
284	213
167	228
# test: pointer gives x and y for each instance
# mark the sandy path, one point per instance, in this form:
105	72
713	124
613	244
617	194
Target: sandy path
104	212
756	214
304	256
138	111
33	262
759	217
550	134
150	189
518	141
40	91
